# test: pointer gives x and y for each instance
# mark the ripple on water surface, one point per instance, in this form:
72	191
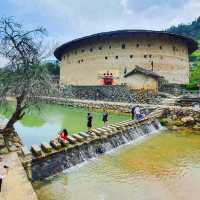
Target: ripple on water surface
165	166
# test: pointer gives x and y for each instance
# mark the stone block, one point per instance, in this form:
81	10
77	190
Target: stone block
123	128
4	150
79	137
25	151
85	135
133	122
55	144
108	130
98	132
187	119
16	139
105	132
72	140
36	150
112	128
2	143
64	143
13	148
121	124
46	147
116	126
92	134
125	124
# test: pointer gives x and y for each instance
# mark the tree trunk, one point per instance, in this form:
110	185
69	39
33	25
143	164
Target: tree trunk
8	129
17	115
13	119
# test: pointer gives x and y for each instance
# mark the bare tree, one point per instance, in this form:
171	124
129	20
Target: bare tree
24	77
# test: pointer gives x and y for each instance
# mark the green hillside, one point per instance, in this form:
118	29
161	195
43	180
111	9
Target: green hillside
191	30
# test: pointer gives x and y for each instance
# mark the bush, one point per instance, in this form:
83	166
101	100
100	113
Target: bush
191	86
194	78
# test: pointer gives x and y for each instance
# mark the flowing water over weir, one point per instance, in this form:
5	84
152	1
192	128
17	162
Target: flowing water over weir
50	164
162	166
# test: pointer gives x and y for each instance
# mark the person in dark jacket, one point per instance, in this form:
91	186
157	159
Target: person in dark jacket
133	113
89	121
105	118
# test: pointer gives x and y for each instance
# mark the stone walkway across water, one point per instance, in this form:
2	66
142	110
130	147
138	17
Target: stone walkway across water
16	185
167	103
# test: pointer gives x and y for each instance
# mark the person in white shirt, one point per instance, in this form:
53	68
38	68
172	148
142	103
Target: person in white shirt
137	113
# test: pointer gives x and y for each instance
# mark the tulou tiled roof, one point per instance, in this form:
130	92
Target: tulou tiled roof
146	72
191	43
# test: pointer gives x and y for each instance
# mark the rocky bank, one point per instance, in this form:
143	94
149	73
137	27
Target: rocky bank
177	118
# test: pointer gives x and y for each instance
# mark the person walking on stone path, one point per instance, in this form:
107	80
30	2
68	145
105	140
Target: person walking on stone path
133	112
137	113
89	121
105	118
3	172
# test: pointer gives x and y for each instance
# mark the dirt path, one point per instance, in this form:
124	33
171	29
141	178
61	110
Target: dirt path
16	185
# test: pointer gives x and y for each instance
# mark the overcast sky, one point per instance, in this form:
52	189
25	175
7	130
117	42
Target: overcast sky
69	19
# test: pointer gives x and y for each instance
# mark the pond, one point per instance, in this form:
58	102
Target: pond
43	125
164	166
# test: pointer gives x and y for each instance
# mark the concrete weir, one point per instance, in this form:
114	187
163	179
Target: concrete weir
46	160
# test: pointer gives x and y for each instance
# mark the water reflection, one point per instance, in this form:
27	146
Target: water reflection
40	126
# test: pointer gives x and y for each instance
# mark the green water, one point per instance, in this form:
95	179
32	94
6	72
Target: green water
41	126
164	166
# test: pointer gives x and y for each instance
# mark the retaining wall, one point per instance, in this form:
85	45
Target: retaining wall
113	93
117	107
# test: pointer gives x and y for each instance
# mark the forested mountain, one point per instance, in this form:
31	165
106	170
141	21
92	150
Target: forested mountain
191	30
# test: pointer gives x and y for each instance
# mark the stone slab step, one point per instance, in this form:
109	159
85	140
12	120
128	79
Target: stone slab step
109	130
116	126
71	139
119	125
64	143
127	122
55	144
36	149
79	137
85	135
104	131
25	151
112	128
46	147
132	122
124	124
98	132
92	134
122	127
